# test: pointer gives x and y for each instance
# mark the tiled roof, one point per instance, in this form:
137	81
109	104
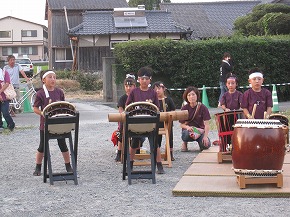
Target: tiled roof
102	23
211	19
86	4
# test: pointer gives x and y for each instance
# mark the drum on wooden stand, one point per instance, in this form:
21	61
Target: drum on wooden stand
225	122
258	147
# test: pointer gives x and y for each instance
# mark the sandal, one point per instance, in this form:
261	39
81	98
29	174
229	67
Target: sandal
184	147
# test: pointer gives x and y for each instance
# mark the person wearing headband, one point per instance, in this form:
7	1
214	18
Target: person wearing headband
257	100
129	85
225	69
144	93
46	95
166	104
232	99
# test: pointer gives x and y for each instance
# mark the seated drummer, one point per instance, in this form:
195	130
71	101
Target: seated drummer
257	95
144	93
232	99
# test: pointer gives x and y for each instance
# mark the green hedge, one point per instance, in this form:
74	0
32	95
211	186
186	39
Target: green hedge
183	63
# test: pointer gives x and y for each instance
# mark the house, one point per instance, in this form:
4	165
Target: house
23	38
209	19
63	15
101	30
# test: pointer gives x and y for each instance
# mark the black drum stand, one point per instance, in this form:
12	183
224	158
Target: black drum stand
131	124
60	121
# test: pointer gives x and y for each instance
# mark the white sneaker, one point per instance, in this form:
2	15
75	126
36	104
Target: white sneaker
1	129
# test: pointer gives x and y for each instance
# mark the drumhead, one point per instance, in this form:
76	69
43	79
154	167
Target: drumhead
141	105
282	118
229	113
258	123
58	108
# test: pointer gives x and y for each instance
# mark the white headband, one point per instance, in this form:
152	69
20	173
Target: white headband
256	74
48	72
43	86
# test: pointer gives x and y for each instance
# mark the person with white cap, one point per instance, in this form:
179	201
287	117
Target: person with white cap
46	95
257	102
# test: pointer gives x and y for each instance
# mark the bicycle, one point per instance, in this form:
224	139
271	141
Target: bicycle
17	104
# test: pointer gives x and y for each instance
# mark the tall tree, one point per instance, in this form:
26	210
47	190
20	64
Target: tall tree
265	19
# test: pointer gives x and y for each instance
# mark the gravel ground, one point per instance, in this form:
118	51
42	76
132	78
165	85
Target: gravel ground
101	190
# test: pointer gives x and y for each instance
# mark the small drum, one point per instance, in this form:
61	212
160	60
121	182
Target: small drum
258	145
141	109
225	122
57	110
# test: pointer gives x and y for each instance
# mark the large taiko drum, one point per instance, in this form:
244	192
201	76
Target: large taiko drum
258	144
225	122
60	109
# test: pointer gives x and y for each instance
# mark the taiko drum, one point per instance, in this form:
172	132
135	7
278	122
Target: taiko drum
258	145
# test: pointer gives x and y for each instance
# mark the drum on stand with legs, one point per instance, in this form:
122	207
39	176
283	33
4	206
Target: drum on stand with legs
61	118
258	151
225	122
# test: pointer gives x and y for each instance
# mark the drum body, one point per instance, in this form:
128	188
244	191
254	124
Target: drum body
60	109
225	122
258	145
142	110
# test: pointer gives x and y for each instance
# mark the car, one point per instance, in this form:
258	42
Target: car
27	66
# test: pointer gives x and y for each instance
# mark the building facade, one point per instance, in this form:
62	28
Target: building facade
23	38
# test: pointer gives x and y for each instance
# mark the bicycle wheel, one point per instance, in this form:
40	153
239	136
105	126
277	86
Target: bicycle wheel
32	99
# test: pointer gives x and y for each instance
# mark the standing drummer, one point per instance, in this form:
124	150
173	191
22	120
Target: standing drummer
257	100
232	99
46	95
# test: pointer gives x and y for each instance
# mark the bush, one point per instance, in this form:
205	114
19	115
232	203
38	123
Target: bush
182	63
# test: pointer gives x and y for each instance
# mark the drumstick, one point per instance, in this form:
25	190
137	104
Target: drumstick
265	115
254	111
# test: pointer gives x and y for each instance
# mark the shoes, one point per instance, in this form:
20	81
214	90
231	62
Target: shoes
160	169
184	147
171	155
37	172
1	129
118	157
216	142
11	128
68	168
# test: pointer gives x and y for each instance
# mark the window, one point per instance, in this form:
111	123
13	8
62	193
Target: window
27	50
5	34
63	54
113	43
29	33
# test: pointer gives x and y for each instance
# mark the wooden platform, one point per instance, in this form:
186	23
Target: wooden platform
207	178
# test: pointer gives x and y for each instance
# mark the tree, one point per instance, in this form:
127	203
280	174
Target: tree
149	4
265	19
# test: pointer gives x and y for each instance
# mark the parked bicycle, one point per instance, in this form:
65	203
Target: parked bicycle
17	104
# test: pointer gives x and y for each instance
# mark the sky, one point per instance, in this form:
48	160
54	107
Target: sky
33	10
